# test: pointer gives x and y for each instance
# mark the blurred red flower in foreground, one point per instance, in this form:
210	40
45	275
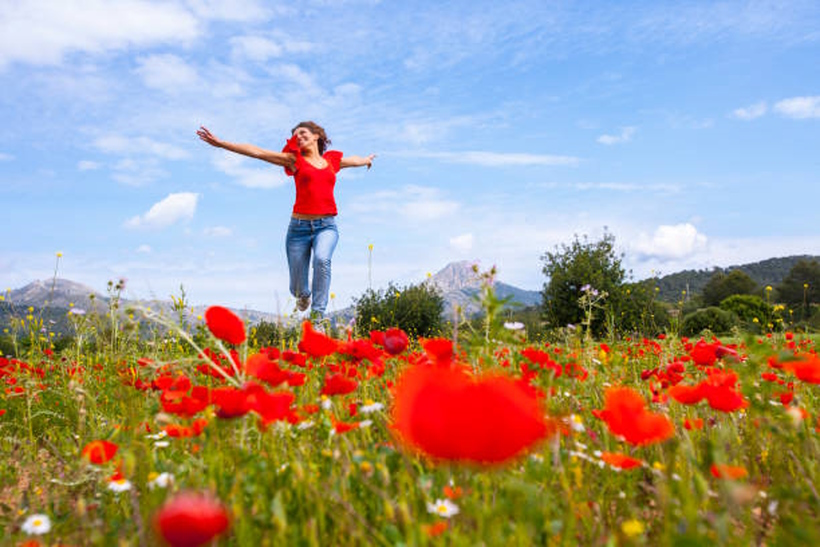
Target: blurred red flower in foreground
225	325
806	369
191	519
626	415
725	471
621	461
99	452
315	343
447	414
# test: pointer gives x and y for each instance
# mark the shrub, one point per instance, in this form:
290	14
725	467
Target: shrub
416	309
714	319
747	307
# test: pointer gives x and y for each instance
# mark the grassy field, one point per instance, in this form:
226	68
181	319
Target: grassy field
137	435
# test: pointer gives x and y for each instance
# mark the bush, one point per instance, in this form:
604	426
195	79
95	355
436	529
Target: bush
714	319
748	307
638	311
416	309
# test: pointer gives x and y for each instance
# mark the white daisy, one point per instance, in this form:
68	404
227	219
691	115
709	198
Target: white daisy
371	407
119	485
36	525
443	508
163	480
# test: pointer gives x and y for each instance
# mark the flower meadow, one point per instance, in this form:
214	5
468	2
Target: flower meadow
169	437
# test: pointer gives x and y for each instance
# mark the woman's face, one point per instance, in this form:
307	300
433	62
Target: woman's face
305	137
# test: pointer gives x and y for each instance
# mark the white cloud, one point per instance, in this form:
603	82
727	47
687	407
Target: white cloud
6	157
235	166
235	10
416	203
255	48
799	107
118	144
172	209
87	165
218	231
671	242
624	136
462	243
133	172
167	73
751	112
498	159
39	32
144	249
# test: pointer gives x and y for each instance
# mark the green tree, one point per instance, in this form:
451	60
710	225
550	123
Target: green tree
721	286
573	270
416	309
800	288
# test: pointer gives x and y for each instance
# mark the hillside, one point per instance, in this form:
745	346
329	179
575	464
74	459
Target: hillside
766	272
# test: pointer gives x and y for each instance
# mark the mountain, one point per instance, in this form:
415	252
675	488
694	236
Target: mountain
459	283
770	272
56	293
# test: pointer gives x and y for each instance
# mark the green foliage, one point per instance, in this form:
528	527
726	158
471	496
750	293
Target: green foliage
571	268
748	308
722	286
639	312
269	334
766	272
713	319
801	287
416	309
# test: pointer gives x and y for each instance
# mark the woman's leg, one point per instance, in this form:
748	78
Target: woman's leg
326	235
297	246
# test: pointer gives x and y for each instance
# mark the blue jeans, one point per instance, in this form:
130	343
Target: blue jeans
319	237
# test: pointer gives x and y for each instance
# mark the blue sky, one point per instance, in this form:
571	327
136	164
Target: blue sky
689	130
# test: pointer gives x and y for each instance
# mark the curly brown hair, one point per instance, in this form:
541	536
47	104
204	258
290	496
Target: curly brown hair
316	129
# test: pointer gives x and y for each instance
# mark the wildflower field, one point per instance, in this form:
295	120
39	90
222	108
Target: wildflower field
162	432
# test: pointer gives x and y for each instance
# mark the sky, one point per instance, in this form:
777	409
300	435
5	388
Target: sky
690	131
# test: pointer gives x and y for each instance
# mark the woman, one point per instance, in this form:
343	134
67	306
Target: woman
312	228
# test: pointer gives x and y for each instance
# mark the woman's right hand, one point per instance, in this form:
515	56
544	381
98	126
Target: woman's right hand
208	137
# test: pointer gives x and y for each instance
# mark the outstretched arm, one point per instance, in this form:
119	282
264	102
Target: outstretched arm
252	151
357	161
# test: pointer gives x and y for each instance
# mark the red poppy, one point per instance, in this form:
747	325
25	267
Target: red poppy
704	354
191	519
230	402
260	366
449	415
688	395
99	452
694	423
440	349
620	461
339	384
806	369
271	407
725	471
344	427
721	392
225	325
395	341
315	343
626	415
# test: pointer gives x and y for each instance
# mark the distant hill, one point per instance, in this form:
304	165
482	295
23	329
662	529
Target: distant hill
766	272
459	285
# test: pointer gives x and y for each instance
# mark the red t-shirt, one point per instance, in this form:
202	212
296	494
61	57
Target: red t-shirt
314	186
